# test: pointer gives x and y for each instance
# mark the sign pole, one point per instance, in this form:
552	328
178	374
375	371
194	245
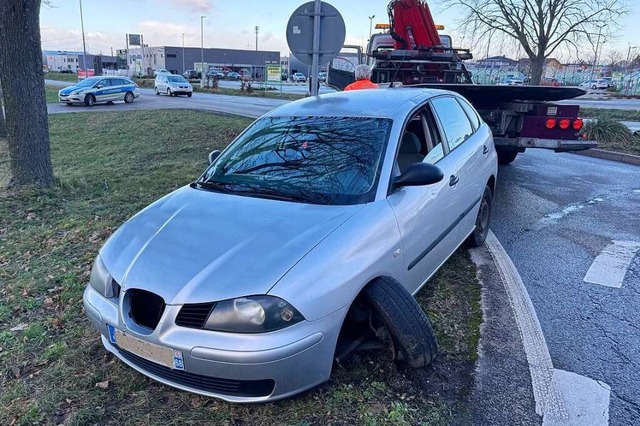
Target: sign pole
127	57
316	47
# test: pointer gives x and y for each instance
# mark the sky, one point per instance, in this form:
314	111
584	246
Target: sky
230	24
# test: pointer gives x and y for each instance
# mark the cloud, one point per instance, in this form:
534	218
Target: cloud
195	6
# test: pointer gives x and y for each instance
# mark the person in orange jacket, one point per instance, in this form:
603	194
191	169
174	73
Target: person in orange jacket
363	79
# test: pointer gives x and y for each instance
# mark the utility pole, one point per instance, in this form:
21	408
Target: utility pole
316	48
627	67
371	25
202	52
257	29
595	60
183	70
84	45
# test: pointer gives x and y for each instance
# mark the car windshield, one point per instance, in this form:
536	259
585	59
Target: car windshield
88	81
177	79
321	160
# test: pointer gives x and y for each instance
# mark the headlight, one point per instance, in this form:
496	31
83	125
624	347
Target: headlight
252	314
101	280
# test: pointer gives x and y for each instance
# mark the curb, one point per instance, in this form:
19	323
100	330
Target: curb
610	155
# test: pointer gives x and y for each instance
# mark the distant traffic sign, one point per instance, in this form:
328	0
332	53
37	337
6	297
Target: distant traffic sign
300	33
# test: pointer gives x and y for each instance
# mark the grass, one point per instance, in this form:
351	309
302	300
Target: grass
616	114
61	77
108	166
51	92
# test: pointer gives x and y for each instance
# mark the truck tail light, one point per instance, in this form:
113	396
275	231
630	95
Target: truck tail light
564	124
551	123
577	125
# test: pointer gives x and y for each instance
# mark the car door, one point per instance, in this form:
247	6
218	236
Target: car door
105	90
470	147
424	213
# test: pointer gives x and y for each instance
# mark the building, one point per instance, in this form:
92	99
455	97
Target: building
178	59
59	60
501	62
551	67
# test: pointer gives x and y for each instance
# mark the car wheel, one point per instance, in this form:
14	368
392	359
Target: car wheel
506	156
594	87
157	92
169	92
406	321
128	98
479	235
189	94
89	100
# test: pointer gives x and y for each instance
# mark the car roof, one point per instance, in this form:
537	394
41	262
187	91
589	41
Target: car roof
359	103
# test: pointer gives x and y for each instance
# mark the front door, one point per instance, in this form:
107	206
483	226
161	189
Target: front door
426	215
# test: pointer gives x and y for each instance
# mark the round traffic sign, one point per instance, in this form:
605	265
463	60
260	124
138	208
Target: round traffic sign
300	32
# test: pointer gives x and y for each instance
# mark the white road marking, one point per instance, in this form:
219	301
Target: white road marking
553	218
587	400
611	265
561	397
547	398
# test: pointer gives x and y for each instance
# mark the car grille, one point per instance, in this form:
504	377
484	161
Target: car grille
242	388
146	308
194	315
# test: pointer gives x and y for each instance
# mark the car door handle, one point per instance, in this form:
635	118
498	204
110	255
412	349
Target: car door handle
453	180
485	149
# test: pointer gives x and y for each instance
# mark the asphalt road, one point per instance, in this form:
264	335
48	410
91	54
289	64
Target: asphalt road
554	215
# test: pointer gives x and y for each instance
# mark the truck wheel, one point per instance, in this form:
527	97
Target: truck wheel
479	235
407	323
506	156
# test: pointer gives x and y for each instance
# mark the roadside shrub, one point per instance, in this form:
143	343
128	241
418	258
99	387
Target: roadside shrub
607	130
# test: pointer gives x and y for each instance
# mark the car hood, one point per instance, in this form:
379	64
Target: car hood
195	246
68	90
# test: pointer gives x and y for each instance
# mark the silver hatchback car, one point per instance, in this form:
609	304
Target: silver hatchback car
319	221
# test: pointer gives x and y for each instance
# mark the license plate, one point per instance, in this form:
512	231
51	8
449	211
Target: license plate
162	355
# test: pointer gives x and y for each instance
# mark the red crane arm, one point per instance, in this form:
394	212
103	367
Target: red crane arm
412	25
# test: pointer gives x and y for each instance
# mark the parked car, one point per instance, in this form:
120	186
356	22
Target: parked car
549	82
309	231
190	74
285	76
67	71
234	75
215	74
298	77
322	76
608	80
595	84
512	81
95	90
160	71
172	85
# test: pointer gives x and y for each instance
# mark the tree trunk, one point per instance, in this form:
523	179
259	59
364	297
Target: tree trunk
537	66
3	126
23	87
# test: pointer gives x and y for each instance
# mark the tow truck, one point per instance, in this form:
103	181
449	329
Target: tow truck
410	52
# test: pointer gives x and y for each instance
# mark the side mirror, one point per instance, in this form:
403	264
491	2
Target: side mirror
419	174
213	155
99	86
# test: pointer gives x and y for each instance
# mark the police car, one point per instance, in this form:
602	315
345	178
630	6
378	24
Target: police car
95	90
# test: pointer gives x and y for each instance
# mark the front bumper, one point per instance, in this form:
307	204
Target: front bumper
232	367
181	90
71	99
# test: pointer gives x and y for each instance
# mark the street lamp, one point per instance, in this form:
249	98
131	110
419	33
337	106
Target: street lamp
183	70
202	52
84	46
371	25
595	60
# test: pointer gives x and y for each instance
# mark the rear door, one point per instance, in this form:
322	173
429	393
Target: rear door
424	213
469	146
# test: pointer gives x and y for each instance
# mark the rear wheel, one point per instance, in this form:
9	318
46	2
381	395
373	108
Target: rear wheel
89	100
506	156
594	87
128	98
407	323
479	235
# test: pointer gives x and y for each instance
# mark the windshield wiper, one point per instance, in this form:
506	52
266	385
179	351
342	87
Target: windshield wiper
214	185
276	195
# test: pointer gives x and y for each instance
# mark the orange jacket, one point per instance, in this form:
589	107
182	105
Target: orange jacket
361	84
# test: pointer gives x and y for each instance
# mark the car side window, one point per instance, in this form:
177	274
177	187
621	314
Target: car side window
436	149
456	125
471	114
105	83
